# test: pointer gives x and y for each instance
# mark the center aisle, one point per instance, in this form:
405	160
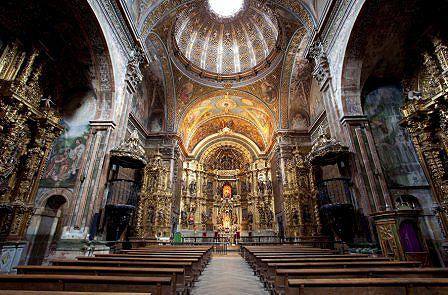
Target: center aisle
228	274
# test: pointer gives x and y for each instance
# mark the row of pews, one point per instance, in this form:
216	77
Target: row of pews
157	270
305	270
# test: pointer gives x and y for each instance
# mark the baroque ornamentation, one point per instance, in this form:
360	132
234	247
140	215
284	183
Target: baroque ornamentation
27	131
130	152
154	208
425	117
326	150
299	198
133	73
321	67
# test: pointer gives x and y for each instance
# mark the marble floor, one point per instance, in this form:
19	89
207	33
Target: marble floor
228	275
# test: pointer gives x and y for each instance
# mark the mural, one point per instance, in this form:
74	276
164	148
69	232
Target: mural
140	106
68	149
186	92
268	92
236	125
315	102
395	148
299	93
228	105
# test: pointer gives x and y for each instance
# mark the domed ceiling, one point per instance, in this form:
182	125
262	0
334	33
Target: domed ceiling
226	45
227	65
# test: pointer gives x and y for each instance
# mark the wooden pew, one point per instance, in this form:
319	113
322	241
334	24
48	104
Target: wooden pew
202	260
207	250
262	265
177	274
283	275
260	261
187	266
371	286
259	249
250	253
268	276
22	292
76	283
204	253
197	267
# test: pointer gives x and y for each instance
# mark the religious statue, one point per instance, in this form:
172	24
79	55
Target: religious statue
184	186
47	102
250	218
295	217
183	218
191	218
269	217
8	169
269	186
219	218
262	215
151	214
161	217
204	218
261	186
192	187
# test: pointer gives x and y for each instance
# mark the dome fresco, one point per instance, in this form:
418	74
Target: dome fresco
226	45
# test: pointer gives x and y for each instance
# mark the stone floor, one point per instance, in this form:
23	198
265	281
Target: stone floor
228	275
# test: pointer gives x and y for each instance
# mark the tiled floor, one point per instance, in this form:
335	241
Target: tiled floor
228	275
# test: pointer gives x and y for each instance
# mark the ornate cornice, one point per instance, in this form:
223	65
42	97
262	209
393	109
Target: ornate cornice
326	151
123	35
130	153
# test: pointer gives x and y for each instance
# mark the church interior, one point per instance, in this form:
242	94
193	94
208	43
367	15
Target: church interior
273	133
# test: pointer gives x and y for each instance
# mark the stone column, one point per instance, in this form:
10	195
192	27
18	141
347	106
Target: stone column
90	184
366	167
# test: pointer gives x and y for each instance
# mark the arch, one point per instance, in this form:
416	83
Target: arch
234	111
379	45
45	225
227	140
214	93
102	64
63	192
239	128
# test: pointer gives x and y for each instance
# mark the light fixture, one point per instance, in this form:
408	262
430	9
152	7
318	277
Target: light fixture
225	8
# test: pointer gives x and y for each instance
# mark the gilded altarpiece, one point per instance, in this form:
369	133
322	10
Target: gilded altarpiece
299	198
227	202
155	202
28	127
426	118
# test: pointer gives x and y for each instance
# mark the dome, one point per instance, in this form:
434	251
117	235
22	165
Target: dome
226	44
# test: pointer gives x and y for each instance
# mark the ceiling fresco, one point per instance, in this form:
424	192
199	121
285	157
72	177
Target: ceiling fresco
218	99
228	104
226	47
226	125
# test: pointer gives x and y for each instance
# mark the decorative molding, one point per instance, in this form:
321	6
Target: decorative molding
117	23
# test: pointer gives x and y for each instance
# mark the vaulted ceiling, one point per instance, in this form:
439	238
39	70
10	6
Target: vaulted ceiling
227	78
